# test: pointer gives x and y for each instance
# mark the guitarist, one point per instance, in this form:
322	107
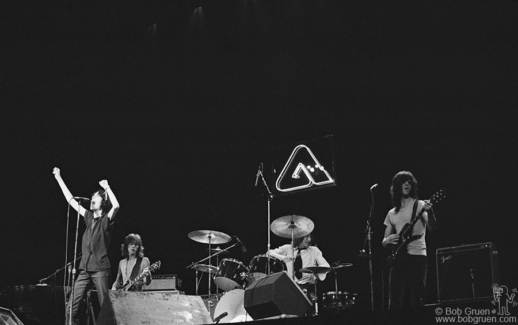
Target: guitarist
407	279
133	264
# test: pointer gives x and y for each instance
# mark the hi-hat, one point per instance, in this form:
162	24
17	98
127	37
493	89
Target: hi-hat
209	236
300	225
339	266
206	268
315	269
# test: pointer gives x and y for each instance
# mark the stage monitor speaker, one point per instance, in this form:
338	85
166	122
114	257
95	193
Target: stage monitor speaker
466	272
137	308
7	317
275	295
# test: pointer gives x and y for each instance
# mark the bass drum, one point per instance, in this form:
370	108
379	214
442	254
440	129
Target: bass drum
232	303
258	267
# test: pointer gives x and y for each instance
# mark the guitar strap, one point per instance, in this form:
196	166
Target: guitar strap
136	269
414	211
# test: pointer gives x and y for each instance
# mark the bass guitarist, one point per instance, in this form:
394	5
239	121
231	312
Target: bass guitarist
133	264
407	279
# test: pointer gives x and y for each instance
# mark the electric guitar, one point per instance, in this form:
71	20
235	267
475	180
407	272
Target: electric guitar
405	235
130	283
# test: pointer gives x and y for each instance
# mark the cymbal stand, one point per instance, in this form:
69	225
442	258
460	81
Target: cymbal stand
367	242
293	257
194	264
209	292
336	280
315	298
212	255
270	198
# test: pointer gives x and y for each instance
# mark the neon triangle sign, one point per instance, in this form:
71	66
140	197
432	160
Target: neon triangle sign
302	171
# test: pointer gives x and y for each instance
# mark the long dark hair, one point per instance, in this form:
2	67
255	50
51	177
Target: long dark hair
297	241
132	239
106	204
395	188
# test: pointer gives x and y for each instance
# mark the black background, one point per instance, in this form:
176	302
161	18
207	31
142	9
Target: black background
178	121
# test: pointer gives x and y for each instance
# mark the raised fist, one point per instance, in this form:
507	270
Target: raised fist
104	184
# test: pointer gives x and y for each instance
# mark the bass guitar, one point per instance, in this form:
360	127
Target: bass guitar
131	283
405	235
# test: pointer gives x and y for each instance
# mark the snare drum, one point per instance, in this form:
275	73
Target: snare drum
338	300
231	274
258	267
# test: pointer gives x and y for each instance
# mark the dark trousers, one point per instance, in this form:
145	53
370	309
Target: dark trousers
84	282
407	282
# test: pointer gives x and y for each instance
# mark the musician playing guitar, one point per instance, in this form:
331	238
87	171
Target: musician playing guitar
133	264
407	279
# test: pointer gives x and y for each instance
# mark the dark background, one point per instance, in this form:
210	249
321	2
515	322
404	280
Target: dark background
177	105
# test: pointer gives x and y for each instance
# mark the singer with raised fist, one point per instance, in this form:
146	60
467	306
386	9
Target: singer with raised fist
407	279
94	267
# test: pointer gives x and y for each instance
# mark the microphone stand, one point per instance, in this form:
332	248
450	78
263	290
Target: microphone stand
74	265
270	198
58	270
367	242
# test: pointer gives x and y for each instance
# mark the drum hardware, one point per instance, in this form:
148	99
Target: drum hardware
231	274
208	237
232	303
292	226
206	268
315	270
218	249
262	266
338	299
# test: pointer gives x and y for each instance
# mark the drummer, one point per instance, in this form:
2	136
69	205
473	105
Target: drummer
303	255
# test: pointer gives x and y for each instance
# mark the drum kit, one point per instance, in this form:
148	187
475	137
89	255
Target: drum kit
233	277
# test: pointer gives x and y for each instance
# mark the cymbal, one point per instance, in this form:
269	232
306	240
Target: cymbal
217	249
339	266
206	236
300	225
206	268
315	269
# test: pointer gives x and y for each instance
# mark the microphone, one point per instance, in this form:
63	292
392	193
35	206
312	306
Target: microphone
258	173
81	198
374	187
241	244
217	319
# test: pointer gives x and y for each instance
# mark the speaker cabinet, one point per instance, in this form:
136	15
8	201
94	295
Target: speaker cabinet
163	282
275	295
137	308
7	317
466	272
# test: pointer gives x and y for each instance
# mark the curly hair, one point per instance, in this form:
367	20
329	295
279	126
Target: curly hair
395	189
132	239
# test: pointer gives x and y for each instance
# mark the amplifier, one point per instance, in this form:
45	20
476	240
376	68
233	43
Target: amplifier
163	282
467	272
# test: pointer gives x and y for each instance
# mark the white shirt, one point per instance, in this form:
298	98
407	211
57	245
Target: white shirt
398	220
312	256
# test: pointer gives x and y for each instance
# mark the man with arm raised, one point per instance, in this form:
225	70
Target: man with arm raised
95	266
